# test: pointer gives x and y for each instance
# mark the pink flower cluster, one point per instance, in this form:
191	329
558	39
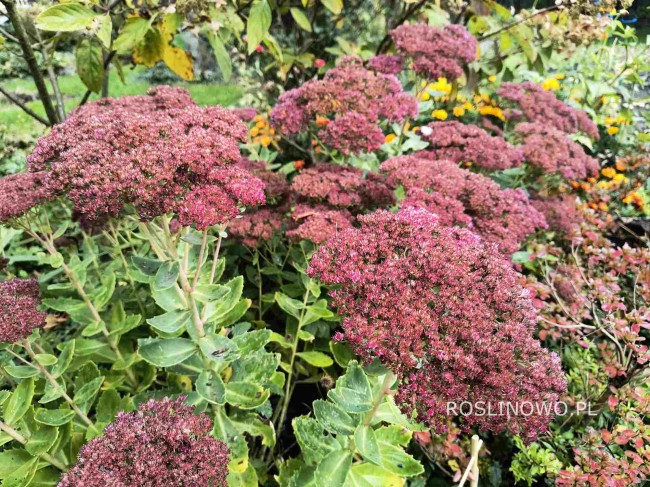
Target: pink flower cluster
445	313
159	152
329	196
561	212
535	104
436	53
461	197
162	444
19	193
459	142
553	152
386	64
19	300
260	224
345	107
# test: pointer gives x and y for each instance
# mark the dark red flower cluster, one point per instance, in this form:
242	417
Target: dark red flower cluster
445	313
461	197
459	142
386	64
553	152
436	53
19	193
19	315
259	224
162	444
329	196
345	107
560	211
159	152
535	104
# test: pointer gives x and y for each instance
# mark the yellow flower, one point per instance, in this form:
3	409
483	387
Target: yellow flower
603	184
490	110
492	78
459	111
468	106
390	138
425	96
620	178
613	130
559	76
441	85
439	114
608	172
266	141
551	84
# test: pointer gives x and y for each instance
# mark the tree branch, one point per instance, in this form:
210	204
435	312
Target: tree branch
517	22
30	59
24	107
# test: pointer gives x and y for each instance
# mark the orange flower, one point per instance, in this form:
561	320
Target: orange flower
298	165
321	121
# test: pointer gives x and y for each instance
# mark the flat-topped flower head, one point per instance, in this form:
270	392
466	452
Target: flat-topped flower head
459	142
341	186
436	53
147	151
19	193
162	444
345	107
552	151
19	314
386	64
532	103
501	216
444	312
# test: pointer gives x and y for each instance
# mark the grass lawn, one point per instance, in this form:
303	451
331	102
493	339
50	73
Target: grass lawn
73	90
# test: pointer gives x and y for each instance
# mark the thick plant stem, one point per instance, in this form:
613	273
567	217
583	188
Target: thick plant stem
384	391
22	440
30	59
183	278
50	378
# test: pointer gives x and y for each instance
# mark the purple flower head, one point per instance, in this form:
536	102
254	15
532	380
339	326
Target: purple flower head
459	142
19	193
147	151
444	312
352	100
19	315
162	444
532	103
436	53
386	64
504	217
553	151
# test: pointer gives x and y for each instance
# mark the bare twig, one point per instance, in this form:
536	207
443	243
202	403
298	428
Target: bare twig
23	107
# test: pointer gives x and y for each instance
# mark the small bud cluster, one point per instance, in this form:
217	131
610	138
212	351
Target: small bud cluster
162	444
19	315
19	193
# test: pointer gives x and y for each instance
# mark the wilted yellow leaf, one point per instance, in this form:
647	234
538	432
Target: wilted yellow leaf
179	61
